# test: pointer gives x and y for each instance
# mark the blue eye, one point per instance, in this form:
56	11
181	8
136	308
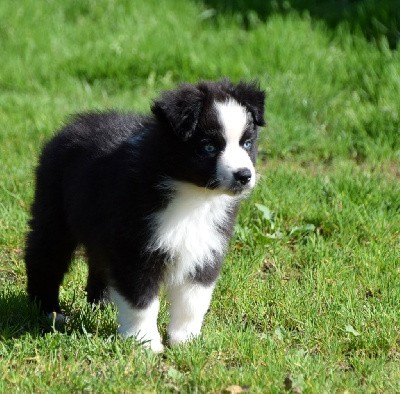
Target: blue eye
247	144
209	148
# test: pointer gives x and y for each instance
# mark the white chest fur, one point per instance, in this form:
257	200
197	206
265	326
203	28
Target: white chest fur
187	229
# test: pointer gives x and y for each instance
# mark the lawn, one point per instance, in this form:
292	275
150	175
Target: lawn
309	297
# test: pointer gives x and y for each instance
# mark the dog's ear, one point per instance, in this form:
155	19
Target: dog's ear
180	109
253	98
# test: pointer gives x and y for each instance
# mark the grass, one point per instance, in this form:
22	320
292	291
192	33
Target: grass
309	297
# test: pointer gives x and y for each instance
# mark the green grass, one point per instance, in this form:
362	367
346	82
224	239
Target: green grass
309	297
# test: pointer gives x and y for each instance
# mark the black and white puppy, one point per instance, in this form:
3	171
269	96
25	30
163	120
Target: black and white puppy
151	198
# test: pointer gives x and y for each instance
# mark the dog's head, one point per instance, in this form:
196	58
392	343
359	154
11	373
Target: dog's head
215	126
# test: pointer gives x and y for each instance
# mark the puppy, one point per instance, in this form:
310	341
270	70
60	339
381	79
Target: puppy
153	201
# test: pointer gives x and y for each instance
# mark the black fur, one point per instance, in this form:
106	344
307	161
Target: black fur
99	179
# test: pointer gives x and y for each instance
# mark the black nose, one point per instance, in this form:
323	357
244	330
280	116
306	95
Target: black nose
243	175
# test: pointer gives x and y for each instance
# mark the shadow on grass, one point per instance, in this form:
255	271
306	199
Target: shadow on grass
374	18
18	316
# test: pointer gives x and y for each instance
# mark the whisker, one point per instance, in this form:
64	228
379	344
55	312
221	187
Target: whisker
212	182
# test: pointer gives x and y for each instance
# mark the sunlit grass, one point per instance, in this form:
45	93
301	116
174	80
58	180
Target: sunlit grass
309	295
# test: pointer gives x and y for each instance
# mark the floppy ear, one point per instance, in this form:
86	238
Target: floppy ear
180	109
253	98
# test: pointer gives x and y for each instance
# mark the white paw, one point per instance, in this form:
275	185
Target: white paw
151	341
155	346
181	336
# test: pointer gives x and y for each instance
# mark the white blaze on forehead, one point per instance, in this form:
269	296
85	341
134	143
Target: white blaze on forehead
233	119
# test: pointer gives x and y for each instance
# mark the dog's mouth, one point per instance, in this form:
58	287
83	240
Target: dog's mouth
233	188
238	188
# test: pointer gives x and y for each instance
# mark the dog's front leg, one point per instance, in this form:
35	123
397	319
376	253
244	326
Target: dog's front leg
140	323
189	303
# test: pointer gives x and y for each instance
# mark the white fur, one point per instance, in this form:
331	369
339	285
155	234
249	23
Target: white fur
187	229
233	118
189	303
138	323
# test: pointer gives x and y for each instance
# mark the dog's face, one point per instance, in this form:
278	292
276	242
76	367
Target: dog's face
216	129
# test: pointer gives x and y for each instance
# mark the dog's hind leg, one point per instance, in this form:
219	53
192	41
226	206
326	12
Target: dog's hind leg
97	285
49	244
48	254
